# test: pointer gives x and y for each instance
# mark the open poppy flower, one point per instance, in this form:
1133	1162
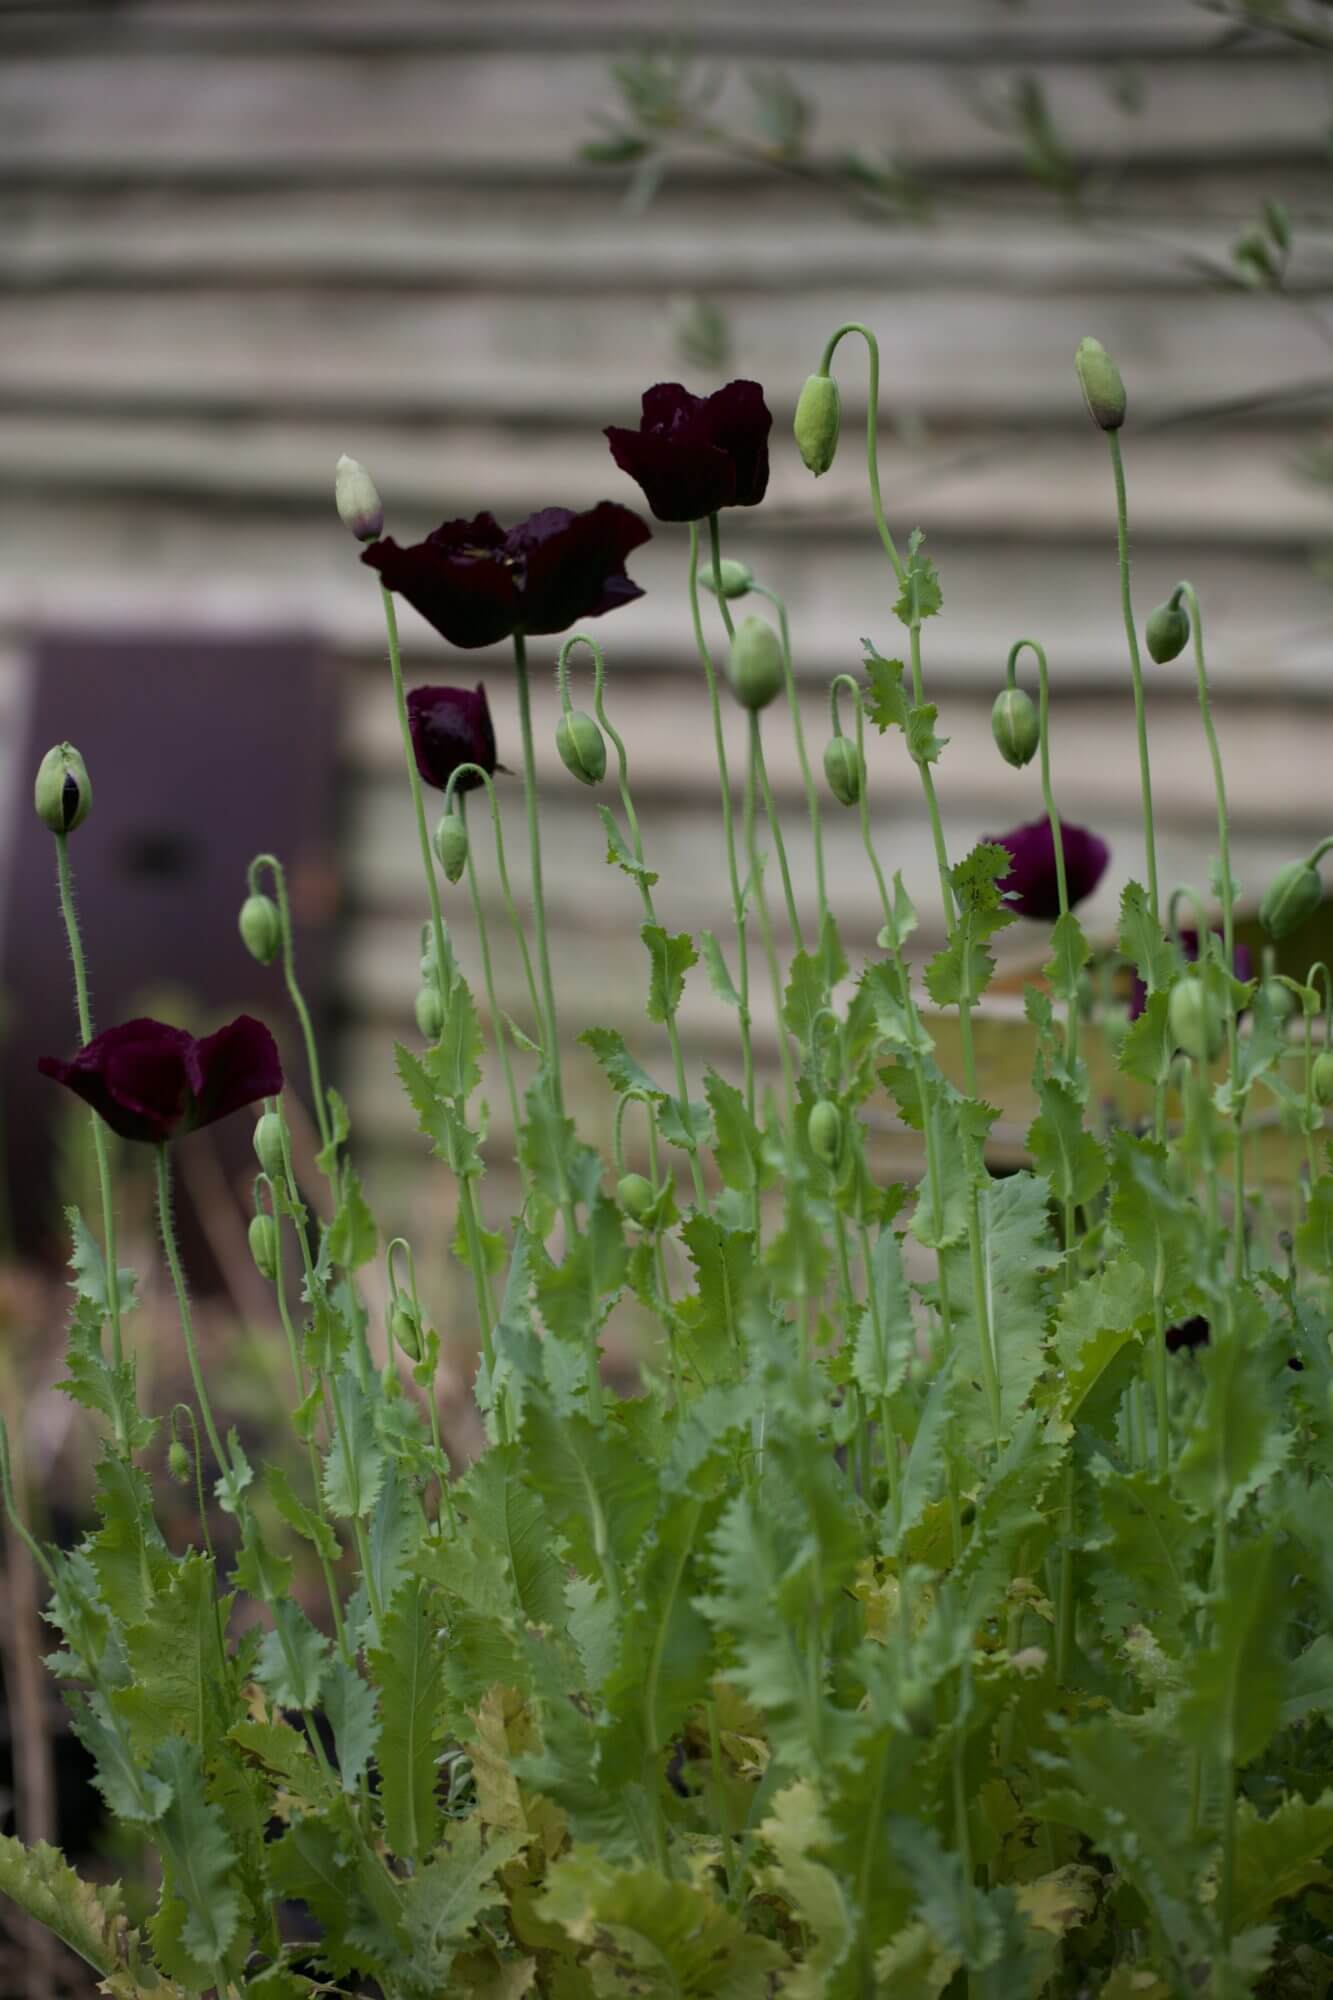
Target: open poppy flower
1030	884
694	454
152	1082
451	726
477	582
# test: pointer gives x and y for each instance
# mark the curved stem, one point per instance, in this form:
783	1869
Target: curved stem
294	993
498	1028
511	907
798	732
167	1228
872	429
1135	669
715	545
552	1035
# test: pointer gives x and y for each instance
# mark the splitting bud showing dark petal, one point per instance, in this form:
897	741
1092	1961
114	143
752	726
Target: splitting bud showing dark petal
735	578
582	747
152	1082
825	1130
754	665
63	793
1167	632
264	1245
1293	895
429	1010
405	1326
637	1198
359	505
818	419
1196	1020
269	1137
844	768
178	1462
261	928
451	845
1014	725
1321	1078
1099	379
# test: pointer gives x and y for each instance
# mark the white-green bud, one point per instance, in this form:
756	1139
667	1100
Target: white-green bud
825	1130
429	1010
1293	895
261	928
754	665
405	1326
818	419
451	847
1322	1078
1099	379
359	505
1195	1018
1015	726
270	1132
1167	632
845	770
637	1197
582	747
735	577
62	794
264	1245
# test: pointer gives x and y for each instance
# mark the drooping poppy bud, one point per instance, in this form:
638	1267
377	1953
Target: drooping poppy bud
358	502
261	928
818	418
754	665
63	793
637	1198
845	770
1322	1078
1195	1018
269	1136
405	1326
178	1462
735	578
264	1245
1293	895
1014	725
1099	379
1280	998
825	1130
1167	632
451	845
582	747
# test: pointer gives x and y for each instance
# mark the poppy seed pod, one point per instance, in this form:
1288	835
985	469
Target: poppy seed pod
264	1245
845	770
637	1197
734	578
1167	632
818	418
754	665
178	1462
825	1131
357	499
62	794
1014	725
429	1010
582	747
261	928
269	1137
405	1326
1322	1078
1099	379
1194	1016
1294	894
451	845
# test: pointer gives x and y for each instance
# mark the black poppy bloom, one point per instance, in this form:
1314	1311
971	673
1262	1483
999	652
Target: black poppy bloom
451	726
1190	1333
695	454
477	582
1030	883
152	1082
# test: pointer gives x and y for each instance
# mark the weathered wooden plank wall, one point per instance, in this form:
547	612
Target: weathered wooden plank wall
238	239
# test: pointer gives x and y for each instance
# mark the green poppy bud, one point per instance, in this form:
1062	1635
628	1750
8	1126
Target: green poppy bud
429	1010
1014	725
582	747
1167	632
825	1131
261	928
1321	1078
270	1132
405	1327
736	578
637	1197
264	1245
1196	1021
359	505
845	770
1099	379
917	1703
754	666
818	416
451	846
1281	1000
63	793
178	1462
1294	894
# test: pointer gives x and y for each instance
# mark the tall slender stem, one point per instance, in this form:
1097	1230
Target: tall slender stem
167	1227
765	921
1135	669
798	732
498	1028
294	993
552	1036
414	784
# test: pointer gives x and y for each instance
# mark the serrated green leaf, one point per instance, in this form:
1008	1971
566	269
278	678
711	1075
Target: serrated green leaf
920	596
738	1144
886	704
622	1072
502	1562
354	1467
1147	1572
302	1520
353	1233
127	1552
350	1704
671	958
442	1123
1234	1684
1070	952
446	1897
407	1668
619	853
200	1860
1067	1155
715	965
1148	1046
1279	1856
180	1683
886	1335
88	1917
599	1490
795	1833
292	1659
576	1295
1017	1248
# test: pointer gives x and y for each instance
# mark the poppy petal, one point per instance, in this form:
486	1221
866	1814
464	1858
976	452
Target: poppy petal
467	592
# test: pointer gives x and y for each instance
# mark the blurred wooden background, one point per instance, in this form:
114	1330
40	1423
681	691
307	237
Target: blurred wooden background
237	239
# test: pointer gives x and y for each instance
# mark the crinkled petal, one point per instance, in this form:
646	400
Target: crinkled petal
574	567
466	590
738	420
136	1076
451	726
682	480
671	408
236	1066
1031	884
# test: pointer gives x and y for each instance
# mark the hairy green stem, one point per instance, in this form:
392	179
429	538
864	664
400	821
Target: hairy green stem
167	1227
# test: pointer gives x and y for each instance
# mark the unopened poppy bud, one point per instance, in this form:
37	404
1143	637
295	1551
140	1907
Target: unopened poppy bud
1167	632
261	928
1281	1000
1099	379
1195	1019
429	1010
264	1245
582	747
405	1327
451	847
178	1462
1321	1079
359	505
637	1197
735	578
754	665
818	417
825	1131
63	793
918	1706
845	770
270	1134
1014	725
1294	894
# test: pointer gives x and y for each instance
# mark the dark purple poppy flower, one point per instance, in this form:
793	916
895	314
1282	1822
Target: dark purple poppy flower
694	454
451	726
153	1082
1189	1334
477	582
1030	882
1242	964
